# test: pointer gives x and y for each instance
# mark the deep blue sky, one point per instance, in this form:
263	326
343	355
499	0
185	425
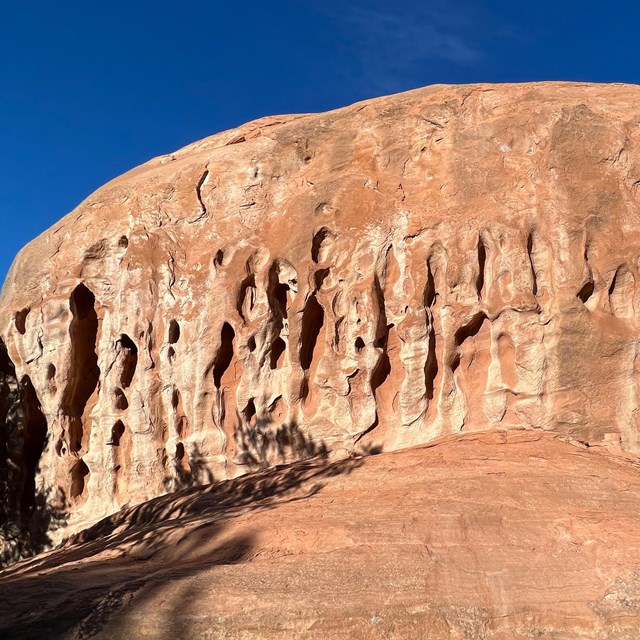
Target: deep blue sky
90	89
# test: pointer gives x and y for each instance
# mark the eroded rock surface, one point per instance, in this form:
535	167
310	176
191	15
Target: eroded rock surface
447	260
484	536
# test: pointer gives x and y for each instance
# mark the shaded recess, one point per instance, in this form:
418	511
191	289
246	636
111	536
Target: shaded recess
20	320
117	431
129	355
482	260
11	431
312	321
250	412
34	441
225	354
431	364
79	478
247	290
121	402
318	240
277	351
383	367
621	293
465	332
84	373
280	295
586	291
174	332
27	513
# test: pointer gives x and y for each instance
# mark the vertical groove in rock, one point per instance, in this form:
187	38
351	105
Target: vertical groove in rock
225	354
84	373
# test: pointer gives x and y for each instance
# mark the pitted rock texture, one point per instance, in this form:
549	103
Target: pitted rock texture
482	536
447	260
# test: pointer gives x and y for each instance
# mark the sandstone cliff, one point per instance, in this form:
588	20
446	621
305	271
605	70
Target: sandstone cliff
447	260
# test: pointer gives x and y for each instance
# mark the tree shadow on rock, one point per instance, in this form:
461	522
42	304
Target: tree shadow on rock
263	445
30	533
101	577
189	470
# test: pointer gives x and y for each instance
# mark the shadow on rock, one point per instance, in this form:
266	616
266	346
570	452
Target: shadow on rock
166	539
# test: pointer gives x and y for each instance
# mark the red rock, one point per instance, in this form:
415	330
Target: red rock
452	260
482	536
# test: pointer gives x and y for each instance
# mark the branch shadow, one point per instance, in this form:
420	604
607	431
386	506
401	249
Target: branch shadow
89	577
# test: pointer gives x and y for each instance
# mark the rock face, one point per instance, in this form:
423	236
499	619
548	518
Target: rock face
485	536
447	260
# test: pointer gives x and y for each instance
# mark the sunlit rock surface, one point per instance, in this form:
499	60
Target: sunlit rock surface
447	260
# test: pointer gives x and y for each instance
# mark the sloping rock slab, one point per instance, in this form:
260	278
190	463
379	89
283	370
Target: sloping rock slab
496	535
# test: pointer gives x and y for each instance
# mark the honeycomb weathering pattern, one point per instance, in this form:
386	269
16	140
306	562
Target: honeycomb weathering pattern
451	259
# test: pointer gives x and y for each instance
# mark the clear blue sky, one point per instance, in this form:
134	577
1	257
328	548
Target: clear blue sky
90	89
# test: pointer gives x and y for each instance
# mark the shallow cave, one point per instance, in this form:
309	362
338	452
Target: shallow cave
34	441
129	354
312	321
84	373
225	354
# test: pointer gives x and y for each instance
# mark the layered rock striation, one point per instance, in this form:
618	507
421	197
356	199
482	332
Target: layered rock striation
447	260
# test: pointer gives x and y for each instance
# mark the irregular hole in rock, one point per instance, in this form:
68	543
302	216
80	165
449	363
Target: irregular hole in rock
586	291
51	378
171	354
277	352
84	372
482	260
34	441
320	276
117	431
219	257
251	344
250	412
183	468
281	296
20	320
465	332
246	297
470	329
383	367
174	332
121	402
430	289
318	239
359	344
79	474
129	355
312	321
431	365
123	242
225	353
175	399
